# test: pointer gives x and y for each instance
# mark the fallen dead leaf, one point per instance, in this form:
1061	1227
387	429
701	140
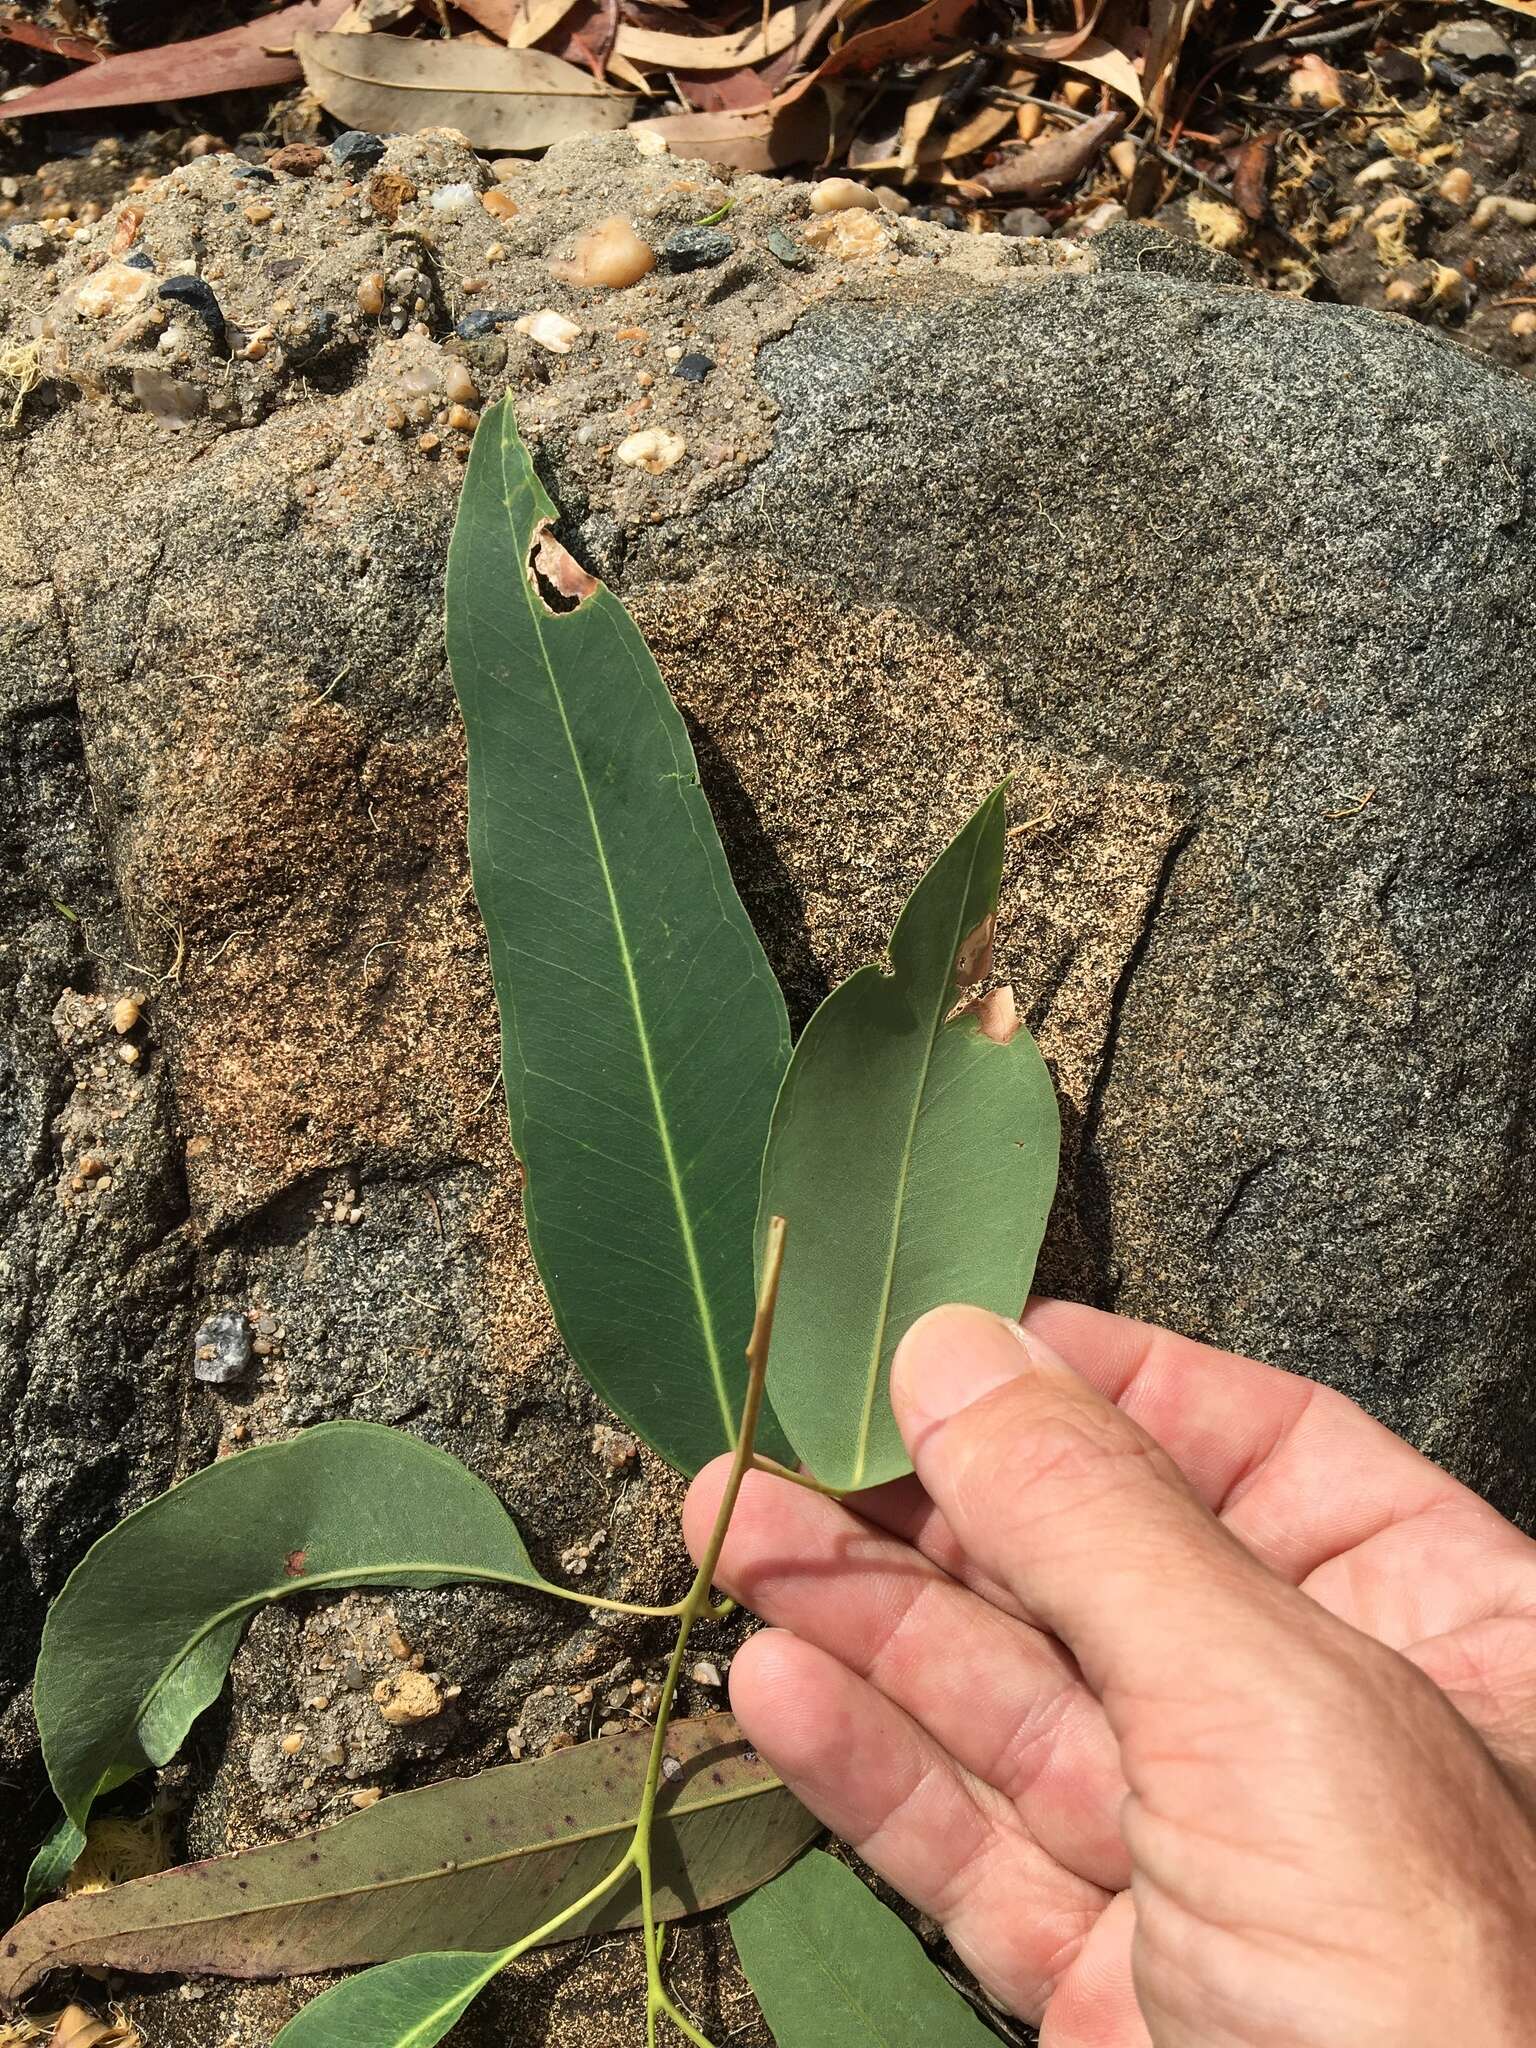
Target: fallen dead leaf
234	60
498	99
1042	167
715	53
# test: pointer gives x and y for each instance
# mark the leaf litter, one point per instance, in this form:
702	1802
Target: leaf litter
1254	130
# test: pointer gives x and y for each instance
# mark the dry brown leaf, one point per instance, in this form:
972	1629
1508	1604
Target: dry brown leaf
984	126
715	53
1168	23
914	35
499	99
233	60
1043	167
763	140
525	25
1109	65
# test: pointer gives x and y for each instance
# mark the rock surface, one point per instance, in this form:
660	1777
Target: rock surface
1233	586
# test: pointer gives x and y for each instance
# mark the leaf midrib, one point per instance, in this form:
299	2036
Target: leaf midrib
663	1127
872	1383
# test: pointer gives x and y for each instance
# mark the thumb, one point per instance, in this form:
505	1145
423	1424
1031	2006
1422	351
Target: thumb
1088	1523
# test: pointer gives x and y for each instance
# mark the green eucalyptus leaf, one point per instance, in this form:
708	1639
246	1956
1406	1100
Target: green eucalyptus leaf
472	1863
409	2004
139	1641
914	1150
643	1033
55	1859
833	1968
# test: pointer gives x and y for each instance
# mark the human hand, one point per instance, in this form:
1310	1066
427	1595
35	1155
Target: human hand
1196	1706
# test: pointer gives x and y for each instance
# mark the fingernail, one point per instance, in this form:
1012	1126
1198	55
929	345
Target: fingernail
954	1357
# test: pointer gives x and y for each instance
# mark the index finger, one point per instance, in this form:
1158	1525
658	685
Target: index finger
1296	1470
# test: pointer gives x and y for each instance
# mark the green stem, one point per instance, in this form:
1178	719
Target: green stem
696	1605
806	1479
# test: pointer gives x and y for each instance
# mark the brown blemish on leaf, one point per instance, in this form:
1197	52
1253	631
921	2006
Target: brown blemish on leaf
973	962
552	564
996	1014
293	1565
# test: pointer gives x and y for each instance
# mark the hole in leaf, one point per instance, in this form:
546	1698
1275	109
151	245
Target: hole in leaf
560	580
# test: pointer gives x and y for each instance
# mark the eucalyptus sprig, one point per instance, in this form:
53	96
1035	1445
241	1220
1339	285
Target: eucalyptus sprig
666	1130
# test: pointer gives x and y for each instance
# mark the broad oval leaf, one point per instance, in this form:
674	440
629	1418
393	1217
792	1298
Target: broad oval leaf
833	1968
643	1033
139	1641
498	99
472	1863
914	1150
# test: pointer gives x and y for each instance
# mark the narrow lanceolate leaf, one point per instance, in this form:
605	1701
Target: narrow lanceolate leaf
833	1968
498	99
643	1033
55	1859
140	1639
914	1151
471	1864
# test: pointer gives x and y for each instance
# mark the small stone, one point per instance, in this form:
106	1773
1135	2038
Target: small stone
1398	70
388	191
696	248
197	297
1523	324
614	1447
129	1054
706	1672
549	329
459	386
125	1014
671	1768
947	216
1024	223
462	421
693	368
265	1325
1456	187
292	1743
370	294
1474	42
407	1697
223	1348
115	288
787	250
838	195
298	159
255	174
137	260
366	1796
610	255
357	151
484	320
399	1647
258	213
653	449
498	204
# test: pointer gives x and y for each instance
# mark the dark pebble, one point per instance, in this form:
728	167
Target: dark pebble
787	249
198	298
942	216
356	150
228	1335
1398	70
137	260
693	369
485	321
1446	76
258	174
695	248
